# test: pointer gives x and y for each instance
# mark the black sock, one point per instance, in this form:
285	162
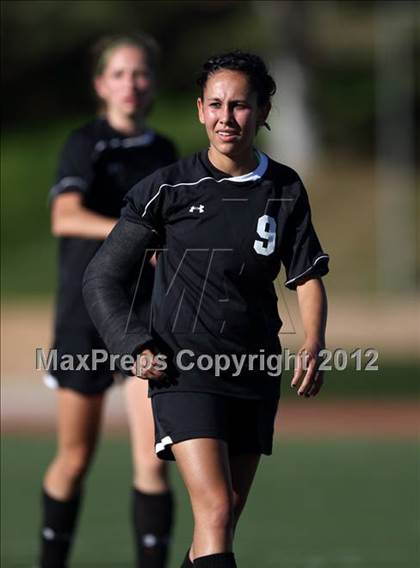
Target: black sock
187	562
222	560
152	519
58	525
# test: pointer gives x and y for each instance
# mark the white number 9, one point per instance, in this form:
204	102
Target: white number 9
266	229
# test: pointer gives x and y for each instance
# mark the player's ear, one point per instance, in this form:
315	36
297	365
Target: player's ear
200	110
263	113
99	87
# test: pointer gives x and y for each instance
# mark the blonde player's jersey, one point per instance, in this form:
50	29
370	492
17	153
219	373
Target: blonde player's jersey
101	164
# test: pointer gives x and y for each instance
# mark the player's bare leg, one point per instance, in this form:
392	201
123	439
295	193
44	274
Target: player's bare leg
150	473
204	466
243	469
152	507
79	419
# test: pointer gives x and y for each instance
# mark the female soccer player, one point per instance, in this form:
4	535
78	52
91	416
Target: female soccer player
225	219
100	162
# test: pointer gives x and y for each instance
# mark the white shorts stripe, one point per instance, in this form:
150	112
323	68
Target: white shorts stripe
160	446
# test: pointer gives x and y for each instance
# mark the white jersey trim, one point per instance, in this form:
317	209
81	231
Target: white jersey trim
321	257
251	176
144	139
66	182
254	175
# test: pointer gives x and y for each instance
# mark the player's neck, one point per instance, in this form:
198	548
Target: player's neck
128	125
233	165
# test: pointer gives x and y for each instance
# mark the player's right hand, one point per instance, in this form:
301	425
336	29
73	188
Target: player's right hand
148	366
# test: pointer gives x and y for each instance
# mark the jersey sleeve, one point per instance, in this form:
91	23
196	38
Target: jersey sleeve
75	168
145	203
138	232
105	288
170	152
302	254
167	150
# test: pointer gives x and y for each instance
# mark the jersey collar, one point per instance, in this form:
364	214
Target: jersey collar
144	139
255	175
115	139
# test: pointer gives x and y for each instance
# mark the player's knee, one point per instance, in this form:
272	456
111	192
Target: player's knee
75	462
217	513
150	467
220	516
238	503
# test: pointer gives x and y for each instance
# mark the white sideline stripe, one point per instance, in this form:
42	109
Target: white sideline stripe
251	176
160	446
50	381
308	269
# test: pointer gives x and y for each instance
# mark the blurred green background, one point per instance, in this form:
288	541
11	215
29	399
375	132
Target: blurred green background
345	116
331	46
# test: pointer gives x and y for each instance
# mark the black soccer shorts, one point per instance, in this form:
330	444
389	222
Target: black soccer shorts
246	425
74	342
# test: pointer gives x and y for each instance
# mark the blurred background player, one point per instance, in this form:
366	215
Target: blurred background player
99	163
240	213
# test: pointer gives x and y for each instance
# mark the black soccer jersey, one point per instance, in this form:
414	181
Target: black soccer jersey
102	165
223	241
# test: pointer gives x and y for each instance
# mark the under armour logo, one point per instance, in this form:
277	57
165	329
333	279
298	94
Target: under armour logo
199	208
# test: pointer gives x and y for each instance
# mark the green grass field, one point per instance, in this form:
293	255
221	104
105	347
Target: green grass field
332	504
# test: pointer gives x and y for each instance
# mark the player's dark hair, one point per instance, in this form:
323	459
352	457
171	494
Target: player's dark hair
106	45
248	63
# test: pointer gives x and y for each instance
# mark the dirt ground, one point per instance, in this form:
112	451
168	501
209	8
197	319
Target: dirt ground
33	412
27	406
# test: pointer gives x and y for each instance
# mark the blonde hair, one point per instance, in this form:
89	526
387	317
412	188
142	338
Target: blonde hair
106	45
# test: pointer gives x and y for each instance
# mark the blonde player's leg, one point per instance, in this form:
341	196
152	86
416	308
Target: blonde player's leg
150	474
79	419
78	424
152	502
